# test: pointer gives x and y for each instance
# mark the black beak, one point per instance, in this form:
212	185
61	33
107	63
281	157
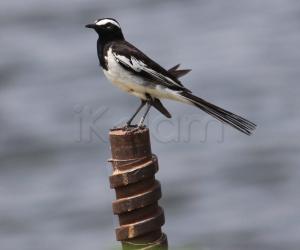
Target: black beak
90	26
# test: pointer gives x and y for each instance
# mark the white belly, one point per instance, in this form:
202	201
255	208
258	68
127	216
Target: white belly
126	82
135	84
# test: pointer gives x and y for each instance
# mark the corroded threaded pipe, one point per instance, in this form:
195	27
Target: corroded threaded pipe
137	191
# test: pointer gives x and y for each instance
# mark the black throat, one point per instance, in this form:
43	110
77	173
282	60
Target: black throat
103	43
101	54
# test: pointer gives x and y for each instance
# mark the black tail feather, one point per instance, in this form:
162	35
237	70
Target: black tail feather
175	67
178	72
238	122
156	103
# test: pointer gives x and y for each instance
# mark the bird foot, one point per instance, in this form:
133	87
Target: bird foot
138	127
128	126
132	128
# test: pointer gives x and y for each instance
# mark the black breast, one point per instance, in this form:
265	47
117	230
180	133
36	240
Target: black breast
102	53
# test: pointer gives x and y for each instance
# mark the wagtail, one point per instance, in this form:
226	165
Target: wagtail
134	72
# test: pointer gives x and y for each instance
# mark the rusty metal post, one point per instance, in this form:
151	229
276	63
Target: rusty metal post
137	191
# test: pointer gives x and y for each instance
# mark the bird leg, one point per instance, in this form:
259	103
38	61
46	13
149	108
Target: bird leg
145	114
143	102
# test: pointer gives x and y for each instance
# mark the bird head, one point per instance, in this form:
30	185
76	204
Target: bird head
108	29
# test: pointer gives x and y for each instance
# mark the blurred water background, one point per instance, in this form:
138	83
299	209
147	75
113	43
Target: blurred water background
221	190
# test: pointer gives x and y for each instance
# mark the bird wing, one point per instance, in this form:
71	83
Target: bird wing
137	62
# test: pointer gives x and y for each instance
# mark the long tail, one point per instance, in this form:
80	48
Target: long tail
225	116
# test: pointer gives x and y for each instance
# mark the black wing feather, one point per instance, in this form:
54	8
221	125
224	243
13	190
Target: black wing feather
142	65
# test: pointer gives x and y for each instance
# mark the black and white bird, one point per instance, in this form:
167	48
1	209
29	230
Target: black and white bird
134	72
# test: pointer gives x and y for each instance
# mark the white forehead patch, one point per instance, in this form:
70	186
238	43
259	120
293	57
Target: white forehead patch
106	21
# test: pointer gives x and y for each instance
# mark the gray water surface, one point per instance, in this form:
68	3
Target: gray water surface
221	190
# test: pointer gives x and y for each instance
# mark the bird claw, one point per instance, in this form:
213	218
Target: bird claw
132	128
138	127
128	126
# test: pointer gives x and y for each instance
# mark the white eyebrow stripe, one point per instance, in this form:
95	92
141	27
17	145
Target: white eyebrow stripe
105	21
